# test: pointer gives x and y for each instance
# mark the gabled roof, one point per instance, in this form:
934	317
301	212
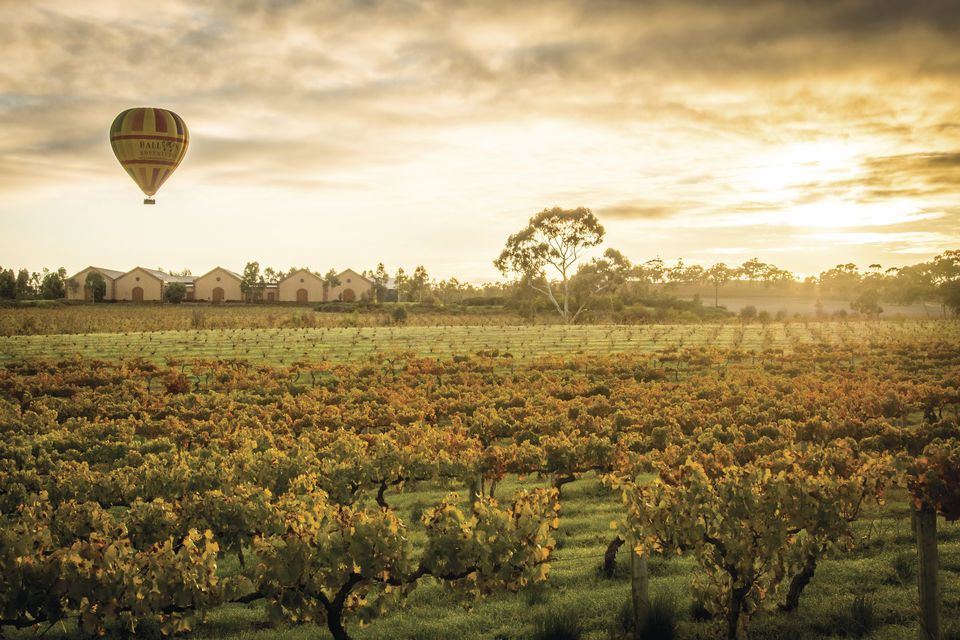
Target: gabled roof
150	272
306	271
167	278
232	273
162	276
354	273
110	273
113	274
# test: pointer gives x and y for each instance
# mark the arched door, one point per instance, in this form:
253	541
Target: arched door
137	294
218	294
348	295
301	295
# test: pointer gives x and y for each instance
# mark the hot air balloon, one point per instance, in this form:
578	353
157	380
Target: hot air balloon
149	143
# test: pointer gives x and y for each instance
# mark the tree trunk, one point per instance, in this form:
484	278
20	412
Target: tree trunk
335	624
380	499
475	488
639	590
798	583
925	521
610	556
733	612
559	481
335	608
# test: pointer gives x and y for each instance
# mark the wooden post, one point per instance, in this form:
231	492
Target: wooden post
639	587
925	521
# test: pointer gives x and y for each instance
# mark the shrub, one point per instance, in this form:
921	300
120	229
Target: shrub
904	566
175	292
660	622
399	315
559	623
868	304
748	313
859	619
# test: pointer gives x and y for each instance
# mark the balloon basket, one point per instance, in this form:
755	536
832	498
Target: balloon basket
149	201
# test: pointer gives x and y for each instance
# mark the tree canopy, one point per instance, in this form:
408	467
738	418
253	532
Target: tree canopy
96	285
553	239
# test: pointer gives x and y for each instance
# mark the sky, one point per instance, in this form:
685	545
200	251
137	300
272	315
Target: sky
345	133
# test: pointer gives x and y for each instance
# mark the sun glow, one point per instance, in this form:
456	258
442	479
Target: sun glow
834	213
841	214
785	172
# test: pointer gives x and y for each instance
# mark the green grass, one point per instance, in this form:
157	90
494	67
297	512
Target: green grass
286	346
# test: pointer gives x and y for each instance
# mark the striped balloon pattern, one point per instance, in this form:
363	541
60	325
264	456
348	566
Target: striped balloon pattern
149	143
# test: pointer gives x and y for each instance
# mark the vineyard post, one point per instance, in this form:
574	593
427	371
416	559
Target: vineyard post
639	587
925	520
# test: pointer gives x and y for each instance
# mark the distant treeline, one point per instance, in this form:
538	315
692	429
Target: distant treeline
24	285
935	281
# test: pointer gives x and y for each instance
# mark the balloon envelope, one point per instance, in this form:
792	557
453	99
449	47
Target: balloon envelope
149	143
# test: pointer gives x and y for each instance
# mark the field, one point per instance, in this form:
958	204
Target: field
111	458
790	305
56	318
286	346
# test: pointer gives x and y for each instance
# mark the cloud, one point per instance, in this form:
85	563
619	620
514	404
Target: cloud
638	210
926	176
667	112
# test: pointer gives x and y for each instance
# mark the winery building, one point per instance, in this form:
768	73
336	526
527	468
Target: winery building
77	288
143	285
218	285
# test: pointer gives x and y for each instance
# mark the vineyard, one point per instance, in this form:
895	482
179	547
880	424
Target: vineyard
288	346
118	318
463	486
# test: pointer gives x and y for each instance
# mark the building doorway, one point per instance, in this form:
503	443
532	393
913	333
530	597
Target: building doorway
348	295
218	294
137	294
301	295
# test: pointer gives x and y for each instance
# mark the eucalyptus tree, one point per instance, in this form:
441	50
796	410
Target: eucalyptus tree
545	252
